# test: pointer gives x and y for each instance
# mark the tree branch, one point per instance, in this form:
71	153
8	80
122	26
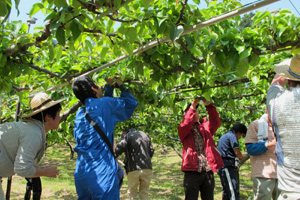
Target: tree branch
199	61
72	110
181	12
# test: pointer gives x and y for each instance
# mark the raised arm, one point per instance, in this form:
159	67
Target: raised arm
186	125
279	80
214	118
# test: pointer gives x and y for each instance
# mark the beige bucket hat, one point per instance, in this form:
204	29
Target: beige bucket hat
289	69
41	102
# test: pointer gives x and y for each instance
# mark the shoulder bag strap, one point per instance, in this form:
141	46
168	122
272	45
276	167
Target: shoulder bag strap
98	129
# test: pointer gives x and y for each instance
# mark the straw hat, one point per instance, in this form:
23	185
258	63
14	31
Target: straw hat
41	102
289	69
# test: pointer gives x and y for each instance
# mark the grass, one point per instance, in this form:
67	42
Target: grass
166	183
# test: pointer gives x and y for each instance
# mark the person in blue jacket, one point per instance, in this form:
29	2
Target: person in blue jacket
96	168
229	149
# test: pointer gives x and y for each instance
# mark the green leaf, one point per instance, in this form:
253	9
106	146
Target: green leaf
220	61
255	79
128	47
281	31
51	53
74	27
146	3
207	95
131	34
185	59
60	36
254	59
117	4
103	53
35	8
242	68
3	60
17	2
58	53
162	27
155	76
60	3
192	81
245	53
239	47
231	103
260	17
3	8
39	28
233	58
175	32
140	68
295	51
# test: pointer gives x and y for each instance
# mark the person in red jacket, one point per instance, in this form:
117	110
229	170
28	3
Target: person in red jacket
200	157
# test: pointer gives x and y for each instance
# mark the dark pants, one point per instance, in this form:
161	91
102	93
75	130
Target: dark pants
35	185
199	181
226	181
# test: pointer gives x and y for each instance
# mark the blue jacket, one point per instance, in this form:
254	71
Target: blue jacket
95	165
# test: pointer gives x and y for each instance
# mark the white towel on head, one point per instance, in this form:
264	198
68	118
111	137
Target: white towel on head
263	127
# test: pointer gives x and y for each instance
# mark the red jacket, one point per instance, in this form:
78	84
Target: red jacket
207	129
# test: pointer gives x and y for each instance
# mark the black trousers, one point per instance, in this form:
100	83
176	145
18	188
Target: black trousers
34	185
199	181
226	181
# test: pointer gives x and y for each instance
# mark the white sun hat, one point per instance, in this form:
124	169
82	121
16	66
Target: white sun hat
289	69
41	102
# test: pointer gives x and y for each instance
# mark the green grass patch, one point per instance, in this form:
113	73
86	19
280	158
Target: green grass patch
166	183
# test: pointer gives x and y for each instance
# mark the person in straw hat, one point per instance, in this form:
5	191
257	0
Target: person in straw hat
283	106
96	168
23	142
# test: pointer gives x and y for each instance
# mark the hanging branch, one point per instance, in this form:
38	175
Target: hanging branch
71	148
181	12
181	42
72	110
221	84
120	20
172	138
44	71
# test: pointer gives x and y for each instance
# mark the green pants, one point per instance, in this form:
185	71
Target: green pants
265	188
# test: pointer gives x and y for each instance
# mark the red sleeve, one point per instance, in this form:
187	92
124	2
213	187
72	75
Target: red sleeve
214	119
186	125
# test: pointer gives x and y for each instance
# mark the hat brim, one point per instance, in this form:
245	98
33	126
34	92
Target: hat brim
282	69
48	105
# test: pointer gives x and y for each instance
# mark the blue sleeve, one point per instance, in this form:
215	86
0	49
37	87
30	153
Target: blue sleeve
234	142
255	149
109	89
124	106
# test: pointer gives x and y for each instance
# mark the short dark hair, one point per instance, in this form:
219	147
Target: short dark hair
82	88
241	128
49	111
294	83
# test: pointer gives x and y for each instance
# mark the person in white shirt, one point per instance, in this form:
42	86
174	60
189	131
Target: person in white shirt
21	142
284	111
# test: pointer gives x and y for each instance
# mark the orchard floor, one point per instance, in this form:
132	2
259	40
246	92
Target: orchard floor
166	183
